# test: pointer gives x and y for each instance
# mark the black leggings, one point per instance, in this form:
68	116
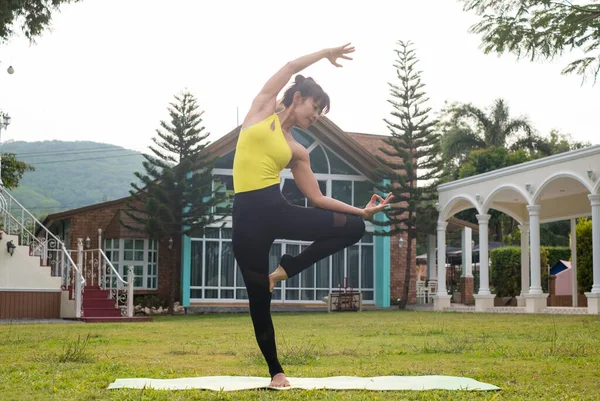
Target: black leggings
259	218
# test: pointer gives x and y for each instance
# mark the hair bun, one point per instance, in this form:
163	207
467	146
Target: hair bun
299	79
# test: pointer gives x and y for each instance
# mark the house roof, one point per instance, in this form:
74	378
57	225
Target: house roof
373	144
68	213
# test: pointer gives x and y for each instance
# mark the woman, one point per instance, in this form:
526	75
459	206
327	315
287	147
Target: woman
260	212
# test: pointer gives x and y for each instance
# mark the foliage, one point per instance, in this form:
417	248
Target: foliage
505	271
490	159
31	17
558	253
541	29
13	170
585	274
465	128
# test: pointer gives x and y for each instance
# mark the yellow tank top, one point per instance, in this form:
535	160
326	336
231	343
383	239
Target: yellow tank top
261	153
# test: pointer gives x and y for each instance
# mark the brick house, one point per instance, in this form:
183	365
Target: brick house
123	245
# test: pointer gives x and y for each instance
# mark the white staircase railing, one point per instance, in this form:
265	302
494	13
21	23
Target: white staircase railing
17	220
99	271
78	283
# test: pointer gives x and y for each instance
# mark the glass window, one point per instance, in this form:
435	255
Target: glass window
322	273
210	232
293	282
367	266
353	267
302	137
323	188
225	161
211	263
337	269
367	238
292	193
196	265
338	166
318	161
342	191
274	258
363	190
225	281
142	254
227	266
224	184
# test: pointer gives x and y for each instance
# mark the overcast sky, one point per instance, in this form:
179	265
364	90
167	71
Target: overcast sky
108	69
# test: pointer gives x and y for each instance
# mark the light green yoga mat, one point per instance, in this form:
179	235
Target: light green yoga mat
234	383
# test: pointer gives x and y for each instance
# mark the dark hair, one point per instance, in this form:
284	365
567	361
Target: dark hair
307	88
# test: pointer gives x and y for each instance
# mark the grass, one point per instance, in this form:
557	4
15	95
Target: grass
529	356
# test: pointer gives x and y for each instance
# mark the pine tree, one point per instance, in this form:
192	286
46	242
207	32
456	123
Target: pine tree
175	196
416	158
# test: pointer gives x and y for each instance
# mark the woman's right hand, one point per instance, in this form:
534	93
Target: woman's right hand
373	208
339	52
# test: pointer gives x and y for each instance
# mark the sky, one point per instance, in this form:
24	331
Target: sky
108	69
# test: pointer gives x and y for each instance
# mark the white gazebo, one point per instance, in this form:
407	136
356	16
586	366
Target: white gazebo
559	187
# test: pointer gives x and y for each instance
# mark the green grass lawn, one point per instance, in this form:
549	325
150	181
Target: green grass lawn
528	356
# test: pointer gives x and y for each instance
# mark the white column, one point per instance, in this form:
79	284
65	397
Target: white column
524	258
441	300
431	258
534	240
467	252
595	199
484	260
593	298
535	300
574	290
441	257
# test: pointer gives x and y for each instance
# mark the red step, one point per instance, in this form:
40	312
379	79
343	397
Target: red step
116	319
97	304
101	312
112	319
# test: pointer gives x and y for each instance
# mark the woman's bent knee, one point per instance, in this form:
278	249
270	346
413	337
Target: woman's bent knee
356	227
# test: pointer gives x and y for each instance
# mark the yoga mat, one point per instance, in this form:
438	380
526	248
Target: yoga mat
380	383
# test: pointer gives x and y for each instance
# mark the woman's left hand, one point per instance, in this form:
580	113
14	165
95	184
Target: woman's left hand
339	52
372	208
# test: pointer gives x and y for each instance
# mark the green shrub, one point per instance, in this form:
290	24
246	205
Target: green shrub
585	278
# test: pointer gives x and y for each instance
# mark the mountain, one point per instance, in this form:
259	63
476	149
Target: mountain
72	174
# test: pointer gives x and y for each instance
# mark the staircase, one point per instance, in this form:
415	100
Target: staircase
99	308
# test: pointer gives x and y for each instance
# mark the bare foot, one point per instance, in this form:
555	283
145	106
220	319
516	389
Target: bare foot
279	380
275	277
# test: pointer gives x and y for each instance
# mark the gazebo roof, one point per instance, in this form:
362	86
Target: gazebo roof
559	184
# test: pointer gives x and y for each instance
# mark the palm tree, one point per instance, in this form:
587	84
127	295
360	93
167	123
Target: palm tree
470	128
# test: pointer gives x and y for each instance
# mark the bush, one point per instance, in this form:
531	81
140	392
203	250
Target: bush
505	268
557	253
585	278
505	271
